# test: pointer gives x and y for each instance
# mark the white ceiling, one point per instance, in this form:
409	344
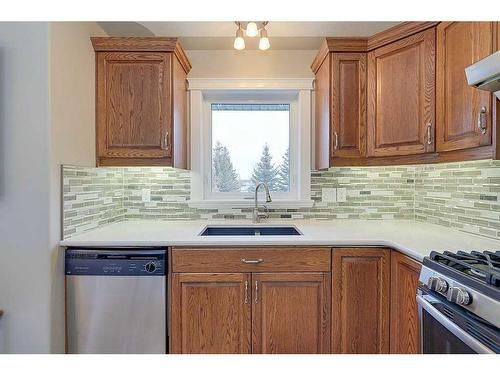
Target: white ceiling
281	29
220	35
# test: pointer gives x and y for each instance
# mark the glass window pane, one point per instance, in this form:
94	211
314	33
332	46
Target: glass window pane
250	144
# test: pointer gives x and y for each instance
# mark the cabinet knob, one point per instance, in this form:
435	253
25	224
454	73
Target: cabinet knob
256	292
246	292
335	141
481	120
429	133
252	261
165	144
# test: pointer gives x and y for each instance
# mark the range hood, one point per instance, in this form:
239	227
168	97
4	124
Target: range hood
485	74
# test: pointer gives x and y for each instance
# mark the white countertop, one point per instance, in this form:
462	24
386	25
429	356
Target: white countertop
410	237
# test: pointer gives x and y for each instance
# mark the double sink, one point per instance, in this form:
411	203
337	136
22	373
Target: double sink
214	230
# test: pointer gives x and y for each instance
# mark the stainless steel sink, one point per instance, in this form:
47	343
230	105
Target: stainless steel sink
213	230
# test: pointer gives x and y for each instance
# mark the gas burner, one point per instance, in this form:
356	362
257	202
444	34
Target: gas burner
483	266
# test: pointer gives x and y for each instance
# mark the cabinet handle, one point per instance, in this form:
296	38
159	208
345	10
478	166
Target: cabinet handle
256	292
481	120
335	141
429	133
165	141
250	261
246	292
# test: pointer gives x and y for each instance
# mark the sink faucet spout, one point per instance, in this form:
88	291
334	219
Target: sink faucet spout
255	214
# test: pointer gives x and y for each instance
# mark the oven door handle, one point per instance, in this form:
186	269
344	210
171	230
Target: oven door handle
470	341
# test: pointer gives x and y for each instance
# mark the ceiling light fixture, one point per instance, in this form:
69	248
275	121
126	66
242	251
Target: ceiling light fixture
251	29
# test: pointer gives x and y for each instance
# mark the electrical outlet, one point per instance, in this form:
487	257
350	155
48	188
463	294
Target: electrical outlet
146	195
341	194
328	195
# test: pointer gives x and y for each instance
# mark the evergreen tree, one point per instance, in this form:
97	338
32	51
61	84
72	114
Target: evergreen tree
265	171
224	176
284	172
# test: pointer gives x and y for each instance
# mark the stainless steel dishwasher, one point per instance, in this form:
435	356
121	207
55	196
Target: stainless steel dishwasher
116	300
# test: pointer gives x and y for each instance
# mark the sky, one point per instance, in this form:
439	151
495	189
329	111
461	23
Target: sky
244	133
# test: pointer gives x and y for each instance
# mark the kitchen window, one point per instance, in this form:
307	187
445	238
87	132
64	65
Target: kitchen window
242	136
250	144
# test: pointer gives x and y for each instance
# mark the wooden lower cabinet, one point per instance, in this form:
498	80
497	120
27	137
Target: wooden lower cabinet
250	313
360	300
291	313
404	315
211	313
366	304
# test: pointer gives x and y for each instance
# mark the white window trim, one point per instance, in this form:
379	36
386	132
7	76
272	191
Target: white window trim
202	93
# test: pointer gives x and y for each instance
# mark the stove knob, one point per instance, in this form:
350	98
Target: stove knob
437	284
460	296
150	267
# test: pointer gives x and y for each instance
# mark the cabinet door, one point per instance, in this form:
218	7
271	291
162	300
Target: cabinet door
460	44
404	315
211	313
291	312
134	106
322	129
360	295
348	105
180	116
401	97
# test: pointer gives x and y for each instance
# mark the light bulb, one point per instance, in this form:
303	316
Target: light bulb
252	29
264	40
239	42
264	44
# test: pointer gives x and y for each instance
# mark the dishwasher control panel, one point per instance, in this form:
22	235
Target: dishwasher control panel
115	262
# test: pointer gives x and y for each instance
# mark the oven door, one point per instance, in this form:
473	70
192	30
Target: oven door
444	329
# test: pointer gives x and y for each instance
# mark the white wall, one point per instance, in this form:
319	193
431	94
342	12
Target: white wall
24	188
251	63
47	109
72	96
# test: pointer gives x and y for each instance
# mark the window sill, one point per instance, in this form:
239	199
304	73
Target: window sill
249	203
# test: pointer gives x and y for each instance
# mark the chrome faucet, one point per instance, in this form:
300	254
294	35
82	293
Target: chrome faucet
255	215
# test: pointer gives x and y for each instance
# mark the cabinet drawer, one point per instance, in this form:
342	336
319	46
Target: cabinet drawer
269	259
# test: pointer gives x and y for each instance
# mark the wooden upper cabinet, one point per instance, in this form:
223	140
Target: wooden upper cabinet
348	105
322	136
291	313
211	313
134	111
360	300
401	96
340	101
404	314
141	101
462	110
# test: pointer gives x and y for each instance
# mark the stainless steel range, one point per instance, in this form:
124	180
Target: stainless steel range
459	302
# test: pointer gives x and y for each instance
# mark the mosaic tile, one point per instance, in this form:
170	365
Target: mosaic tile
463	195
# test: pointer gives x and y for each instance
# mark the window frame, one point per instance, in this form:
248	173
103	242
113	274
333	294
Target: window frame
203	93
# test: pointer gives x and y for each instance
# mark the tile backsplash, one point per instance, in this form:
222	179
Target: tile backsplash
464	195
91	197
